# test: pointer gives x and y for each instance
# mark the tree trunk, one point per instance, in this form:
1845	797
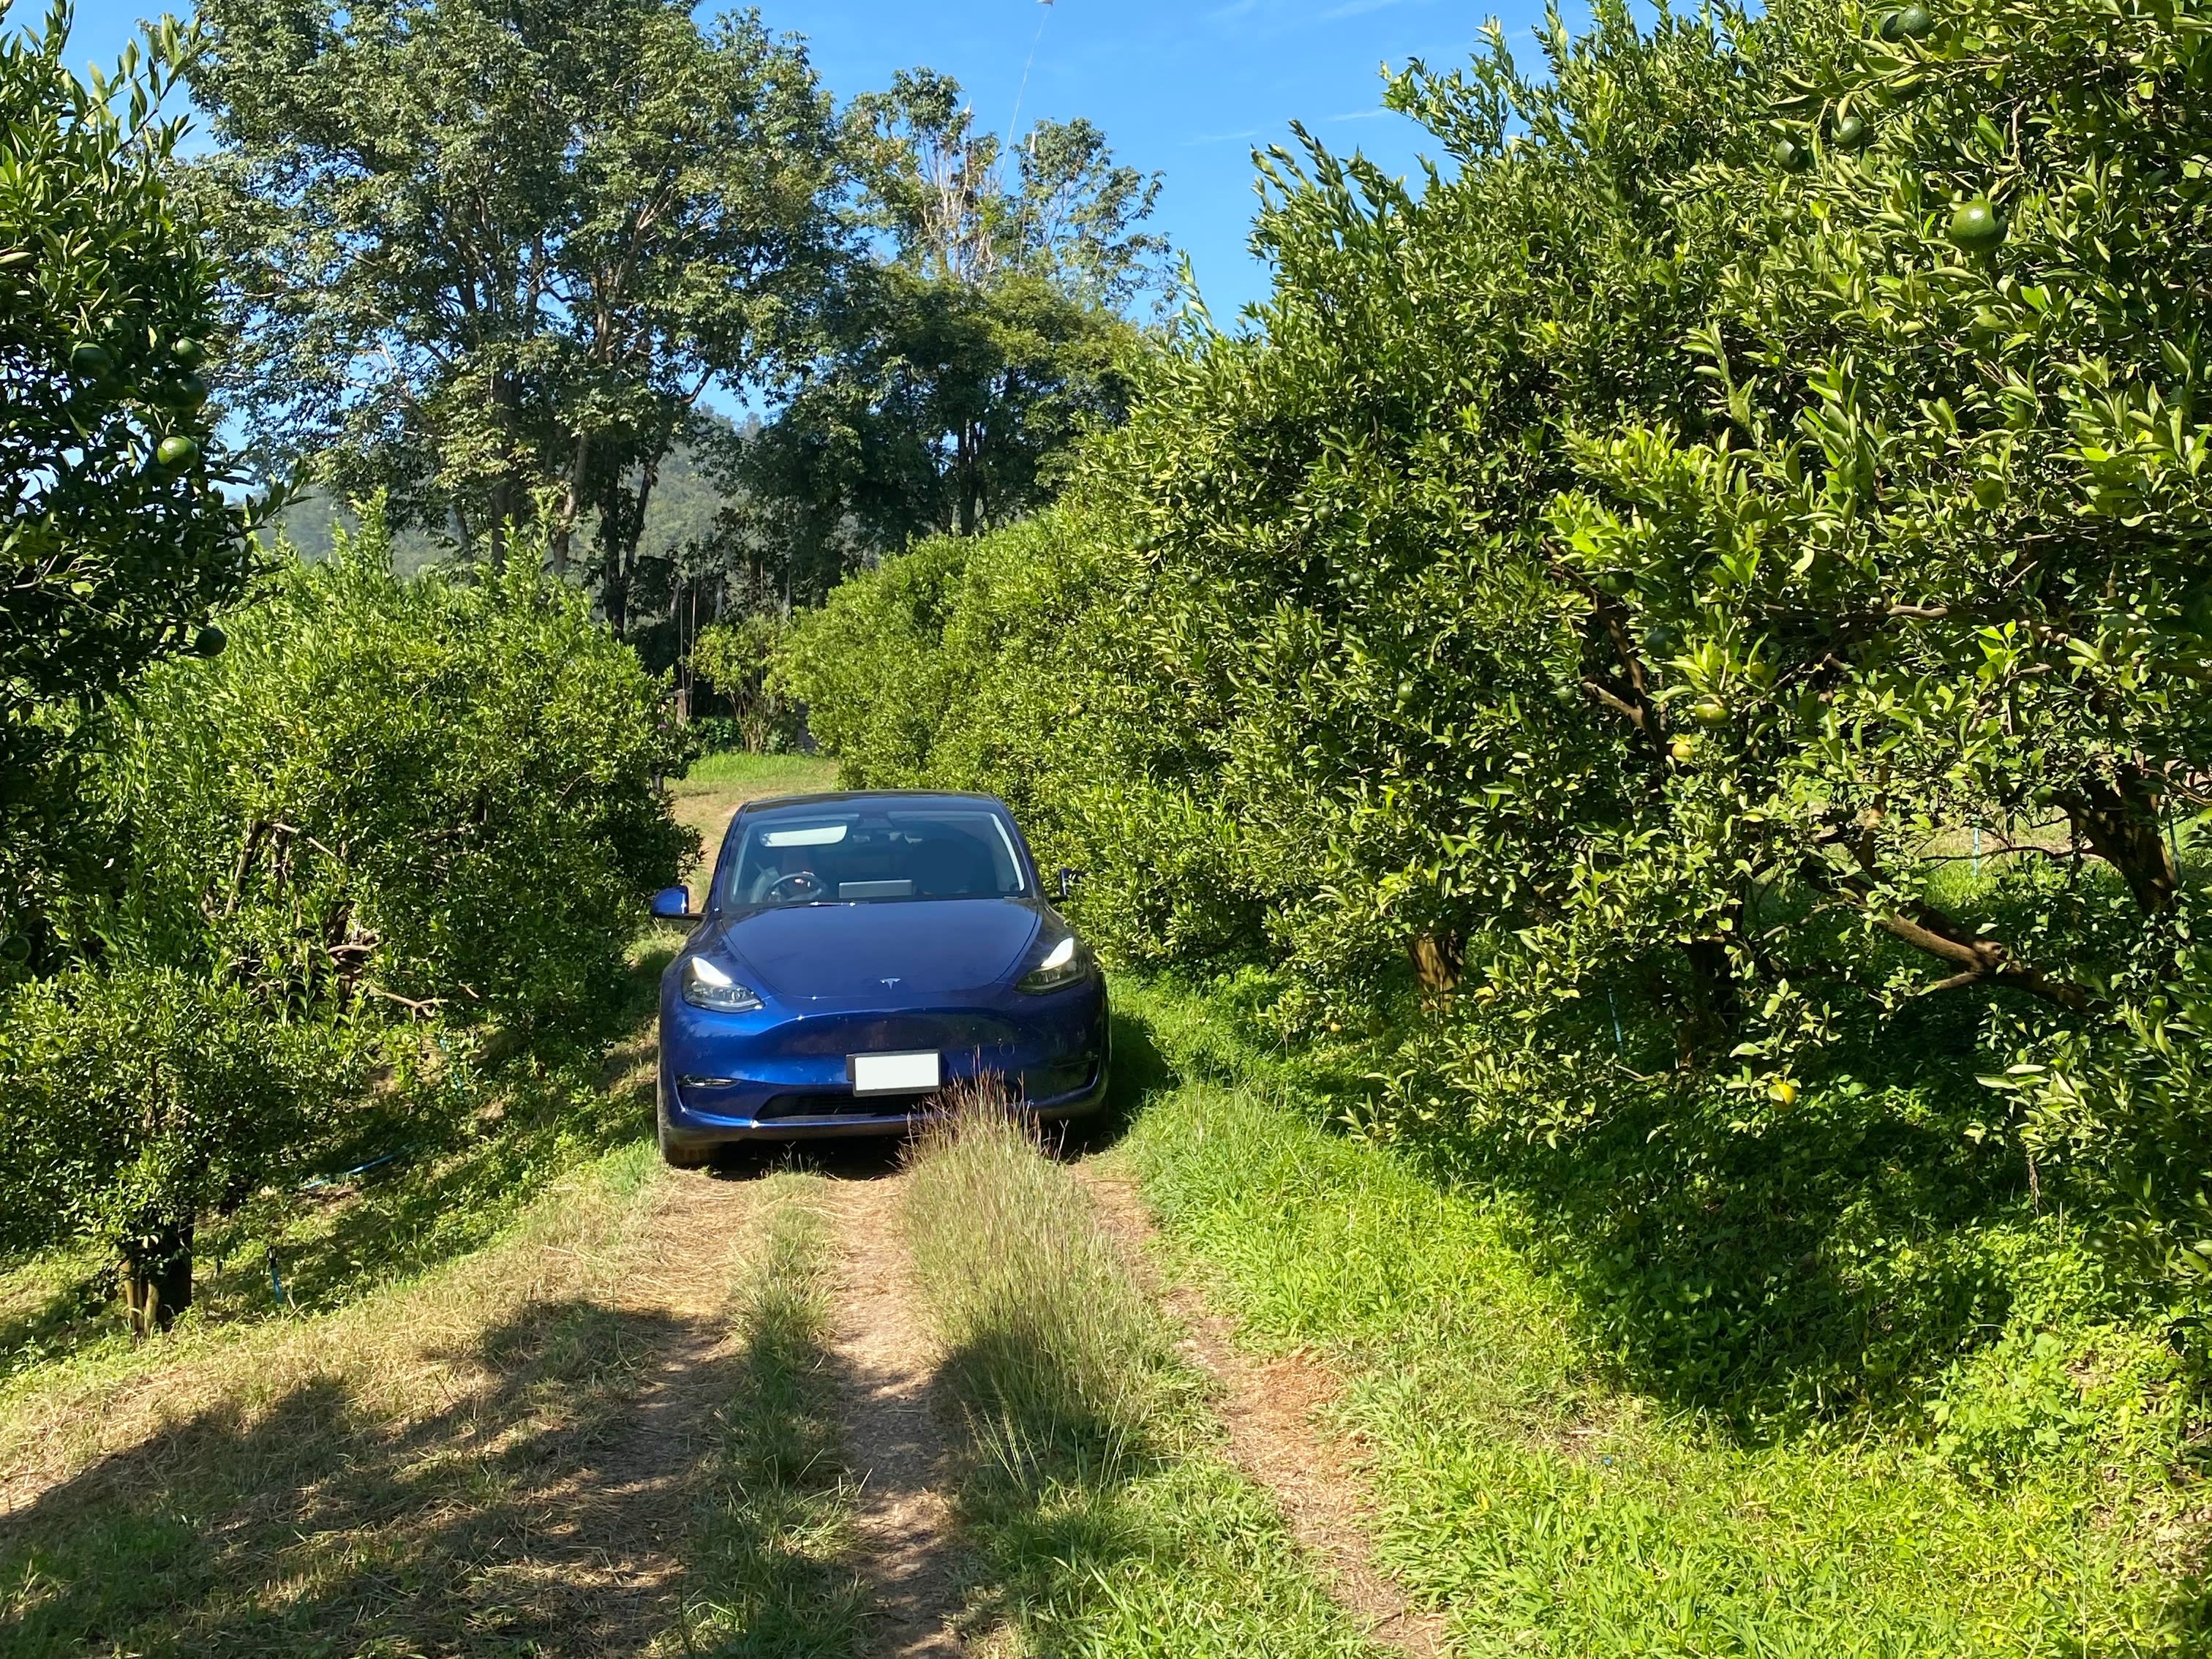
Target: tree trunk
1438	960
157	1277
572	503
965	481
2119	818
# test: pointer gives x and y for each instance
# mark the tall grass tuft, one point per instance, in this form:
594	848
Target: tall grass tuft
1056	1352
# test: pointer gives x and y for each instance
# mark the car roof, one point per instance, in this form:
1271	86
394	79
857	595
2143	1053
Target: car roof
861	797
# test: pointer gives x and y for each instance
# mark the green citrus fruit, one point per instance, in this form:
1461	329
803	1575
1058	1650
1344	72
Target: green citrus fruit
91	362
176	454
210	641
1791	156
189	392
1783	1093
1684	749
1852	132
1712	710
1977	226
15	948
1893	26
1989	494
1914	22
188	354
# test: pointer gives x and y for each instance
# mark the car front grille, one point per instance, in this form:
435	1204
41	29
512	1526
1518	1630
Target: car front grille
951	1034
779	1108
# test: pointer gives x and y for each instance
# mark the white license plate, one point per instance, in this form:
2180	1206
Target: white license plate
895	1074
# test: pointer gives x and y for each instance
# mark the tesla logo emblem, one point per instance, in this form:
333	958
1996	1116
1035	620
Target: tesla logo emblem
891	984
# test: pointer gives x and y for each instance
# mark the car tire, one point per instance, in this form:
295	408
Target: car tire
676	1157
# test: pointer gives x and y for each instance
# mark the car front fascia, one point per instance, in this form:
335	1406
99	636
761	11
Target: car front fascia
720	1074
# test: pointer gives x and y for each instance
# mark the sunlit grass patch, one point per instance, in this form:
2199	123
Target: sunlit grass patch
761	775
1107	1520
1552	1510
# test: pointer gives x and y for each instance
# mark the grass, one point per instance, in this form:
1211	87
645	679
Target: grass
765	1566
1096	1493
1552	1509
758	775
290	1485
460	1464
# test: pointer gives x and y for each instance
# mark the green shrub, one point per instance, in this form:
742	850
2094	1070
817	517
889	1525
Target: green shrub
436	795
733	659
133	1101
385	801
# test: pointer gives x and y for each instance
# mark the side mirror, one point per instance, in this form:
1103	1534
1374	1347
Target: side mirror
1069	881
673	904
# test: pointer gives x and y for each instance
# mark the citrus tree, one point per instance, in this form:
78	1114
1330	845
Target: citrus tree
733	658
436	795
117	545
1678	646
386	805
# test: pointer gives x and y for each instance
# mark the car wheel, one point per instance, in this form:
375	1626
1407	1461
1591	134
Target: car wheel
680	1157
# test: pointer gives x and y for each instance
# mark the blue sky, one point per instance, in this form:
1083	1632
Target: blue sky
1184	88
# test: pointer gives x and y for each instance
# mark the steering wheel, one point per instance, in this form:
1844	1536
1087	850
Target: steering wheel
798	885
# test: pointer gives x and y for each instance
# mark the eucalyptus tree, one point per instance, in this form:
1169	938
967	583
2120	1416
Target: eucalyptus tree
982	332
116	545
488	255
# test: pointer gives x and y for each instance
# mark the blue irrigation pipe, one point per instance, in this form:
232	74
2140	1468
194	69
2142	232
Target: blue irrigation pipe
316	1184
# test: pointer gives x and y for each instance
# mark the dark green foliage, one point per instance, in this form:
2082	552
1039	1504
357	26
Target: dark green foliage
1690	680
116	545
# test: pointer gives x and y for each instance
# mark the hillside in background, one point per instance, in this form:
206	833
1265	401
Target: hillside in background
683	512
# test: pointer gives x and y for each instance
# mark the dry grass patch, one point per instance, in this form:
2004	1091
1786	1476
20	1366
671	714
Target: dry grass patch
503	1457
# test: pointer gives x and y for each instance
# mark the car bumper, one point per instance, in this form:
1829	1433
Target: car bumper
722	1085
699	1132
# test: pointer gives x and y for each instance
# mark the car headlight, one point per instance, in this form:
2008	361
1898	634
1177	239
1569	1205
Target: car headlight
706	986
1067	964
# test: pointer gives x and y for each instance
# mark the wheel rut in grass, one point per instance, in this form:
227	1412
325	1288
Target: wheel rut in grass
616	1550
1268	1409
895	1437
586	1552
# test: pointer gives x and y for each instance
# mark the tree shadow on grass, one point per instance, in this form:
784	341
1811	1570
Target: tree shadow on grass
542	1510
1774	1269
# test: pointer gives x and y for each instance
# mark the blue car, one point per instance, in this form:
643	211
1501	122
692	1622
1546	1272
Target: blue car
858	955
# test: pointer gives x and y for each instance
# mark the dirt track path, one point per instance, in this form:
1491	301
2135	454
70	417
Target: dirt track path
895	1437
1268	1409
614	1555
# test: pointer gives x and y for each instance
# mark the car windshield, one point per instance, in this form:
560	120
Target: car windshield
848	855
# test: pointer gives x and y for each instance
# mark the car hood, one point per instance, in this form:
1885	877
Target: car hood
903	951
